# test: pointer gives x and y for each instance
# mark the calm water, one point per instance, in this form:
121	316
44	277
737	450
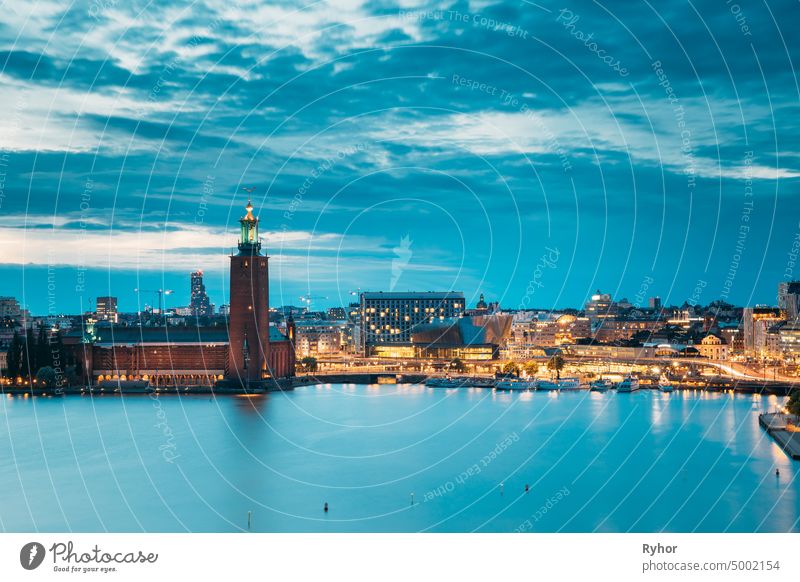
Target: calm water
593	462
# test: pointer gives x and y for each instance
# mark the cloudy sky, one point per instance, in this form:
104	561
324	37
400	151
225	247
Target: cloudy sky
533	151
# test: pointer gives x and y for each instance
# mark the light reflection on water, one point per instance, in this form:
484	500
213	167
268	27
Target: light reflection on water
647	461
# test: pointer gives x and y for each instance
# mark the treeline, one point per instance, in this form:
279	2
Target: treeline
40	356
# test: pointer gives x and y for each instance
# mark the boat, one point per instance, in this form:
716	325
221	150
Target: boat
443	383
568	383
516	385
628	384
478	382
600	385
665	386
547	385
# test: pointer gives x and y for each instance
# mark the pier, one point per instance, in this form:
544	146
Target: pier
778	425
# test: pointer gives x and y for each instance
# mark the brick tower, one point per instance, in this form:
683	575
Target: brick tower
249	307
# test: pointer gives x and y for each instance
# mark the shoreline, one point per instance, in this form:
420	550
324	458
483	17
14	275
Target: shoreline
373	378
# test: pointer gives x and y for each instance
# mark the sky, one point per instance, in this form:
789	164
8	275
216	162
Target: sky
531	151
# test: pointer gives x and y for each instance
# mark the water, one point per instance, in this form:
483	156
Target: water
647	461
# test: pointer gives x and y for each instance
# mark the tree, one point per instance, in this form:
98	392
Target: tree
511	368
46	376
309	364
28	355
556	364
458	365
793	405
14	356
44	358
531	368
57	355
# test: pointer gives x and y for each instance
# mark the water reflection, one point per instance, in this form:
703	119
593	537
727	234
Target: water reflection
644	462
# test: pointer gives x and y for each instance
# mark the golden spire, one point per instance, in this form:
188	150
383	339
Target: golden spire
249	216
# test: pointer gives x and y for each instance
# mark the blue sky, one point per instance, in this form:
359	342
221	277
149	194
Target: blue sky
400	145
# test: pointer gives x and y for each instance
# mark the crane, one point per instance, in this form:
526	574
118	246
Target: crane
308	299
160	293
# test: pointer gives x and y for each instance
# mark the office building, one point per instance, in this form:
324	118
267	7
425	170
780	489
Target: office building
106	309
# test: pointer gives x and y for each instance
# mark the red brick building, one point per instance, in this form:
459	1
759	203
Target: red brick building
247	352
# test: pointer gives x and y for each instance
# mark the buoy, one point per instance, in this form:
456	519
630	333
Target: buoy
326	507
526	488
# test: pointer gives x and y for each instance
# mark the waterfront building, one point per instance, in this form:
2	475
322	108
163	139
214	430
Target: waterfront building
391	318
533	330
106	309
246	352
473	338
200	304
713	347
606	351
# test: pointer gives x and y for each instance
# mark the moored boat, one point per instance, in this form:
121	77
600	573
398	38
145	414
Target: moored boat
628	384
568	383
601	385
517	385
547	385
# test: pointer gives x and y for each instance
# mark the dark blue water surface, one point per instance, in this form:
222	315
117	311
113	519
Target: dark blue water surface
687	461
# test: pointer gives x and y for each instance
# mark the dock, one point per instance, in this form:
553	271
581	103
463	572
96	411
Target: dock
777	426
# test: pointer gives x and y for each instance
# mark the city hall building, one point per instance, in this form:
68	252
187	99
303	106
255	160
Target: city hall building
248	352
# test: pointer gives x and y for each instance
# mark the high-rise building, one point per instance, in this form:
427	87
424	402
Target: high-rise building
391	318
200	304
655	303
789	299
106	309
756	325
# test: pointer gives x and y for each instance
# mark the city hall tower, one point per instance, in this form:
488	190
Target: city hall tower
249	307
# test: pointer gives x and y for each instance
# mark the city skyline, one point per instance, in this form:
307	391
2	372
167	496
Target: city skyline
631	167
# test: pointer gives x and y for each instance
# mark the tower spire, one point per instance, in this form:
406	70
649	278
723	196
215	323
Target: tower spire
249	243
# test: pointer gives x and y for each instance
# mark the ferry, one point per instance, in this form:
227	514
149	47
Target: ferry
600	385
628	384
517	385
